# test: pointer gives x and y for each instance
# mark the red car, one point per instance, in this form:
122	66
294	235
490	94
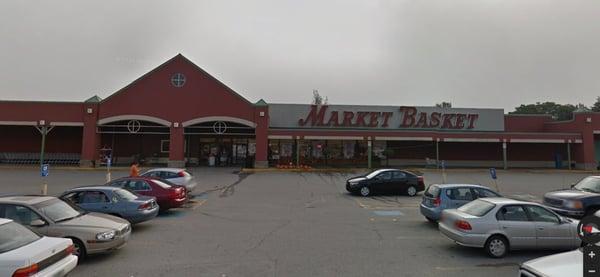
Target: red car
168	195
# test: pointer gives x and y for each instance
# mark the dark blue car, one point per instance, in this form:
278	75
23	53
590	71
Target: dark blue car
115	201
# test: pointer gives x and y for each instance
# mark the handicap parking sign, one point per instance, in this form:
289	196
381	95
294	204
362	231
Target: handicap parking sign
493	173
45	170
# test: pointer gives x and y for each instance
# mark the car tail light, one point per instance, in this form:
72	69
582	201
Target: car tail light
70	250
463	225
420	179
26	271
181	174
145	206
437	201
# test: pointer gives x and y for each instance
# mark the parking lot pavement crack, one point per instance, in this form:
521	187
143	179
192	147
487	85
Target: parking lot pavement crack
230	189
268	234
379	236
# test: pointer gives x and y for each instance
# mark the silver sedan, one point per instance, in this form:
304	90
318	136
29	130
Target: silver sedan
499	224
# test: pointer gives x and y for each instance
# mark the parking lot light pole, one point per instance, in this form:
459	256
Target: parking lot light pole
44	130
297	152
370	154
504	158
569	154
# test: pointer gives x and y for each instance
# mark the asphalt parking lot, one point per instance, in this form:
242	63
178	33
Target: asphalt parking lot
294	224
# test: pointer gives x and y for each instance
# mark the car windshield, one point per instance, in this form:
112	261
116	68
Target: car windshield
589	184
57	210
13	236
375	173
125	194
477	208
162	183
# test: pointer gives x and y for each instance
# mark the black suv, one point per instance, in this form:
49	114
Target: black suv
583	198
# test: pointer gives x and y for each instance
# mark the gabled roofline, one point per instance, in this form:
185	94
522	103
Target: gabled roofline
164	64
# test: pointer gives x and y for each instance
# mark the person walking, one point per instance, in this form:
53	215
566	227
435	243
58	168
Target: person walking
134	170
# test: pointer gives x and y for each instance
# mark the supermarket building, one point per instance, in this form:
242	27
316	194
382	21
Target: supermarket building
179	115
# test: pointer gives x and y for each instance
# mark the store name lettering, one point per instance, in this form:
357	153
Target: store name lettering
410	118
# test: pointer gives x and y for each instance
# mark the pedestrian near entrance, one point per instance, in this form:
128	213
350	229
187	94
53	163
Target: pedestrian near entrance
134	170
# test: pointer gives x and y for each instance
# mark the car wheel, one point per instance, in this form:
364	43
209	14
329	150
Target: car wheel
496	246
365	191
79	250
411	191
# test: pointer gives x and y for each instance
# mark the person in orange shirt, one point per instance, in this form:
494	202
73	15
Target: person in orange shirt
134	170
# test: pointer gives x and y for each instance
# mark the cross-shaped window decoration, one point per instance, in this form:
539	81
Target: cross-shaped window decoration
178	80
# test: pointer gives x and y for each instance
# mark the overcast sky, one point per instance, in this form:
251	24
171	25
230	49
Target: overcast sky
478	53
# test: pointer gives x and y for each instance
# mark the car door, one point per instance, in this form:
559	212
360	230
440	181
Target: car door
458	196
515	223
399	181
23	215
94	201
550	232
382	182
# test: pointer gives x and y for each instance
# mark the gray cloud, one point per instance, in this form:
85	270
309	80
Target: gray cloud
484	53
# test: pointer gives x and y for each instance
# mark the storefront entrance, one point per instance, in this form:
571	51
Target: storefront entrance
220	144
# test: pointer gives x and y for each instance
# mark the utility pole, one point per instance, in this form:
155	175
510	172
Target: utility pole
44	130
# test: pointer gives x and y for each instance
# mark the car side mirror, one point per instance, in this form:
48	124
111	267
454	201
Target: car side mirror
37	223
573	185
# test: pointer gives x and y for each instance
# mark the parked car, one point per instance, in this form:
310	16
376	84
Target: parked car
178	176
583	198
438	197
115	201
25	253
168	195
91	233
500	224
557	265
386	181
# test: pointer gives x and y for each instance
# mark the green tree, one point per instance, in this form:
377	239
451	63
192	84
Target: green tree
558	111
596	106
318	99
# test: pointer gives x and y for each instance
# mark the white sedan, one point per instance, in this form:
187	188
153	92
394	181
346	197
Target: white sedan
24	253
178	176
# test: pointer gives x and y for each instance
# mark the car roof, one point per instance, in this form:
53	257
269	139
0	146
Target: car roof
504	200
4	221
171	169
25	199
94	187
459	185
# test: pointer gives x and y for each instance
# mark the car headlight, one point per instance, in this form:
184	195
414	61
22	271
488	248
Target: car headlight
106	235
573	204
353	183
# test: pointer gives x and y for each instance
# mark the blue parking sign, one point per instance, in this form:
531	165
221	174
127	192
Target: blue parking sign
45	170
493	173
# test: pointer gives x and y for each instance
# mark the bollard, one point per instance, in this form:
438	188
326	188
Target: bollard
45	189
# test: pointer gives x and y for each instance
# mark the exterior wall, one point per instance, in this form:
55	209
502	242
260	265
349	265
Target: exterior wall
525	123
28	139
36	111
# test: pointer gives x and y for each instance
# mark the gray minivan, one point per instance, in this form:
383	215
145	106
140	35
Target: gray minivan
438	197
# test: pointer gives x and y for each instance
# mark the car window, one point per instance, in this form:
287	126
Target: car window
477	208
57	210
432	191
169	175
398	175
163	184
72	197
482	193
13	236
18	214
125	194
512	213
152	174
387	175
138	185
119	183
540	214
91	197
459	194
